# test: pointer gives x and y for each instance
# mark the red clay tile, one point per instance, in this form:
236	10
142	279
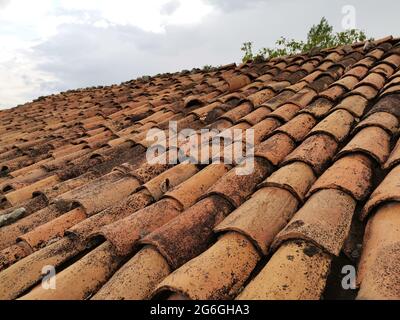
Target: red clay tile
373	79
256	116
395	88
275	148
278	100
351	174
359	72
22	275
315	151
188	192
10	233
14	253
26	193
125	233
337	125
303	97
102	193
388	190
319	107
216	274
93	142
394	158
237	113
373	141
385	70
296	177
355	104
159	185
297	271
262	216
263	128
191	233
348	82
285	112
379	268
387	104
333	93
384	120
258	98
324	220
83	278
41	235
298	127
128	206
137	278
367	91
236	188
237	82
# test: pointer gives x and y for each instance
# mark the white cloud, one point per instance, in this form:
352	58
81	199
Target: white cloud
150	16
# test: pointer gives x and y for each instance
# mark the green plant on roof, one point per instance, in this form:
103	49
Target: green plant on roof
320	36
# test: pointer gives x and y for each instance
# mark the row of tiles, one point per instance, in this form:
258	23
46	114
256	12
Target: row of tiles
279	137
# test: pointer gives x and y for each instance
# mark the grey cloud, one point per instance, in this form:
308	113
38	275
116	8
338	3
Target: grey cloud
4	3
170	7
231	5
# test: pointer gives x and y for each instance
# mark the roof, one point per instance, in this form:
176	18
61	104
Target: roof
77	194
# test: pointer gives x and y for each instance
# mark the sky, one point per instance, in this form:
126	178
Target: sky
49	46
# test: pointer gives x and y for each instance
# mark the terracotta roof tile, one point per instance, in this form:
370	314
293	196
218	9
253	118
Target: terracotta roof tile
394	158
77	192
351	174
137	278
319	107
296	272
384	120
275	149
315	151
379	268
324	220
262	216
191	233
227	264
124	234
236	188
372	141
337	125
388	190
355	104
94	269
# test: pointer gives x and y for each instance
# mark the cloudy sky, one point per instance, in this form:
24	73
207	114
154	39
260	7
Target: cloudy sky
47	46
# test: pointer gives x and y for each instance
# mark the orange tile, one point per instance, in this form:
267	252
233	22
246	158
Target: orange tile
384	120
388	190
379	268
218	273
137	278
352	174
297	271
82	279
262	216
316	151
372	141
298	127
324	220
394	158
190	233
188	192
125	233
338	125
275	148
